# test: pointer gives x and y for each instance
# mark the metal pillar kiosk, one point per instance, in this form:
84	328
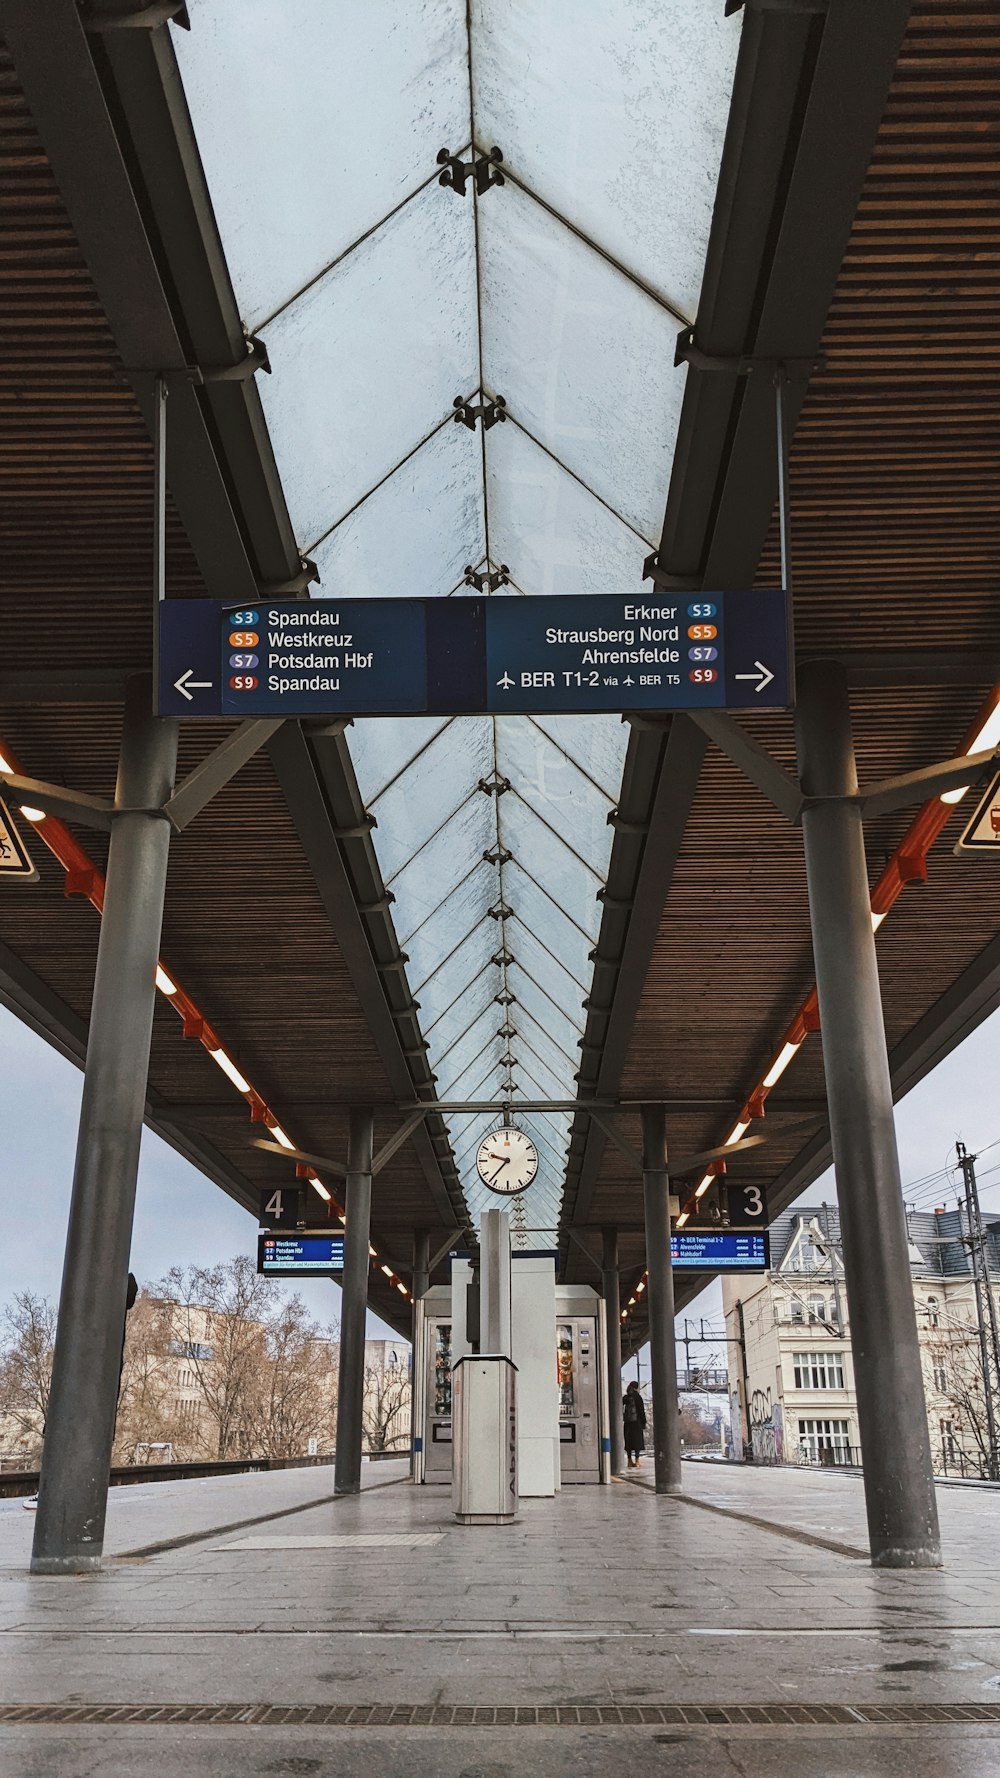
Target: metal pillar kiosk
660	1298
79	1433
354	1303
892	1412
613	1318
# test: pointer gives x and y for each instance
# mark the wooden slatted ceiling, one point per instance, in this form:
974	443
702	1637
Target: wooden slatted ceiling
244	928
75	483
895	480
895	492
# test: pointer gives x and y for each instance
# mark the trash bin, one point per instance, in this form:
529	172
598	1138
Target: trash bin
484	1434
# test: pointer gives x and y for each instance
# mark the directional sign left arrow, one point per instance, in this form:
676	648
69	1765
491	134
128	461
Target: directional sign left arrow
188	686
14	858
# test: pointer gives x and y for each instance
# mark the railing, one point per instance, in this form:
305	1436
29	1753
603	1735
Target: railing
957	1463
704	1382
25	1481
828	1457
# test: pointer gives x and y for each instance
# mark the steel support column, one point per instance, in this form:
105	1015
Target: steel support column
79	1433
354	1301
421	1285
892	1413
421	1263
613	1317
660	1298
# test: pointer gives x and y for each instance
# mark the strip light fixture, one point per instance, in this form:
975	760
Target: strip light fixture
84	878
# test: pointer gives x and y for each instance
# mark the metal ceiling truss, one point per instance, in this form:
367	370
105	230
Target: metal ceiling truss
783	214
786	793
111	113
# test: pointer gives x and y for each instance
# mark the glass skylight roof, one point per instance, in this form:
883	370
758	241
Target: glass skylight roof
382	295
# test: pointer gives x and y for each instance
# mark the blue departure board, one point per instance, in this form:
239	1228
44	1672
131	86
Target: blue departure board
299	1256
719	1251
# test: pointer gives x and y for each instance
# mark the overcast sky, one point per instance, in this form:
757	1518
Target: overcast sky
182	1219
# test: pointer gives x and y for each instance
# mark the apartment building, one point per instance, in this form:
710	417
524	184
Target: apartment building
791	1370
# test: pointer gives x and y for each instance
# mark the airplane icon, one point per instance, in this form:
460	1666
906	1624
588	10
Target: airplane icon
506	681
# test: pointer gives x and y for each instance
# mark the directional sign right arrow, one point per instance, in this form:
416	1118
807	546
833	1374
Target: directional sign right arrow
763	676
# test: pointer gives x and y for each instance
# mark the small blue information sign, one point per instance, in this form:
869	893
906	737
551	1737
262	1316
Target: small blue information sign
403	657
719	1252
299	1256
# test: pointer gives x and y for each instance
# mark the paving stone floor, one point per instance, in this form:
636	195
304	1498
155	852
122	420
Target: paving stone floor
613	1601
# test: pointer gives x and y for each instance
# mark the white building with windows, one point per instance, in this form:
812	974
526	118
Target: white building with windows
791	1370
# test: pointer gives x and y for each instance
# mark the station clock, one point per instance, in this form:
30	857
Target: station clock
507	1161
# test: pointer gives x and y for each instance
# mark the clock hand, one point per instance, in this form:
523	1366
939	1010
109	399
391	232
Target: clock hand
496	1175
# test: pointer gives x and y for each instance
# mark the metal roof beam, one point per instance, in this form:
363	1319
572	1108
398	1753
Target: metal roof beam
785	203
55	66
213	774
305	782
220	466
664	771
754	761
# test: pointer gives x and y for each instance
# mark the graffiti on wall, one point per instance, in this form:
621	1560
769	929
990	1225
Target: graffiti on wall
767	1430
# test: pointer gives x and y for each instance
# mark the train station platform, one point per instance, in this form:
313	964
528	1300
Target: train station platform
255	1626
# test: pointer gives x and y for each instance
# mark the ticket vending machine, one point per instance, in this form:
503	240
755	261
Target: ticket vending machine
432	1388
579	1364
577	1380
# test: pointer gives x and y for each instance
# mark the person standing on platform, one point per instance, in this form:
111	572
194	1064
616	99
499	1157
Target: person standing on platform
634	1411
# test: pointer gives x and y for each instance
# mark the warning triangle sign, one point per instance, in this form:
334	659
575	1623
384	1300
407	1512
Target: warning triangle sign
983	832
14	859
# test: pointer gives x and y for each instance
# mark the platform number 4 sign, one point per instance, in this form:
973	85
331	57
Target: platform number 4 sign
281	1208
14	859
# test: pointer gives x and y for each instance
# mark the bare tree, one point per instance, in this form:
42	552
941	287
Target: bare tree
218	1320
147	1402
952	1348
695	1429
28	1330
387	1407
296	1396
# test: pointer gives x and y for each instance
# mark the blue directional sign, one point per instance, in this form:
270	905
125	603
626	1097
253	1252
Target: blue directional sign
401	657
719	1252
299	1256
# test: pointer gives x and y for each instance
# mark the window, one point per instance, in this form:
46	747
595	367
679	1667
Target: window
817	1436
817	1308
818	1370
948	1448
940	1379
933	1316
798	1313
191	1349
779	1310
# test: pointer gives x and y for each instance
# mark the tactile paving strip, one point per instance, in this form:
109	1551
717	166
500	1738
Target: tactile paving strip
444	1716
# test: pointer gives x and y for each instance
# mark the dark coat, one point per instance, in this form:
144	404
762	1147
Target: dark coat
634	1415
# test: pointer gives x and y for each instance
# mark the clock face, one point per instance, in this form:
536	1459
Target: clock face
507	1161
